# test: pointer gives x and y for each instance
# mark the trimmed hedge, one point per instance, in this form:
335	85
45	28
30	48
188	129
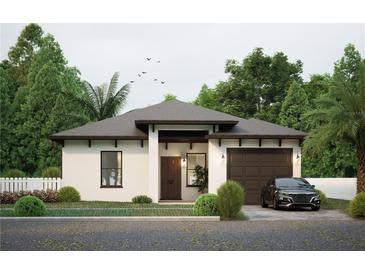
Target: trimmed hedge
14	173
230	199
357	205
51	172
68	194
47	196
141	199
29	206
206	205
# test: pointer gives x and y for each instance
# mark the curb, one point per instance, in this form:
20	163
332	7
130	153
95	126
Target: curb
125	218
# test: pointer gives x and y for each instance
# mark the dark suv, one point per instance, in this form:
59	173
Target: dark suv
288	193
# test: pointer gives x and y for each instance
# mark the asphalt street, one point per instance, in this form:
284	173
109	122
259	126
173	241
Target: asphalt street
53	234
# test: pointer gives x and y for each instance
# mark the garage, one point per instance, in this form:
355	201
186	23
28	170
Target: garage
253	167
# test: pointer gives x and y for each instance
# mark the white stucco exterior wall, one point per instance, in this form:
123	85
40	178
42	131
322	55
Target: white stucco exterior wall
153	165
218	166
81	169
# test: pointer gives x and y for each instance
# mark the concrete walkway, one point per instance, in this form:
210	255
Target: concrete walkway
257	213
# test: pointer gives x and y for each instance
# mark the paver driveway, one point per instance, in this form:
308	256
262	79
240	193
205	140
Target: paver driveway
257	213
171	235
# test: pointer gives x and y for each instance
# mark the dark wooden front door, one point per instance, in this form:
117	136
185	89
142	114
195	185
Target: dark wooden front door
253	167
170	178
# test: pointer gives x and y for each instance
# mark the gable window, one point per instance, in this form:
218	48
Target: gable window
111	169
193	160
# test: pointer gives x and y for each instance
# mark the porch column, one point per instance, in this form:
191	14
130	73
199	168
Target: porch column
153	183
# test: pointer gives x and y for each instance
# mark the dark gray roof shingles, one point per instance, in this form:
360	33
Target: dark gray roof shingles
124	126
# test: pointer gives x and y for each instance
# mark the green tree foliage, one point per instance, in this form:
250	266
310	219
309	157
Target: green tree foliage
169	97
21	54
294	106
255	87
37	83
208	98
340	114
103	101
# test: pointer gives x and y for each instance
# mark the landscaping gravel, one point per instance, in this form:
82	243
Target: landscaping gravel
149	235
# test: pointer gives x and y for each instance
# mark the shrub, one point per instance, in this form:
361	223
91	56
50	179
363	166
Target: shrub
51	172
7	197
68	194
14	173
357	205
206	205
29	206
142	199
322	196
230	199
47	196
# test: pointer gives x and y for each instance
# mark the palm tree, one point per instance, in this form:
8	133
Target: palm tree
104	101
341	117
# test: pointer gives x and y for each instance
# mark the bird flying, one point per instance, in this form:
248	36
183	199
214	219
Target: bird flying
158	61
139	75
148	58
162	82
155	79
132	82
144	72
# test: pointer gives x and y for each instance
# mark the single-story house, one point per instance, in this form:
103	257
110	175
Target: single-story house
154	150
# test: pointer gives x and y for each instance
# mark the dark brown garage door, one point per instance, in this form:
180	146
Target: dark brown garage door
253	167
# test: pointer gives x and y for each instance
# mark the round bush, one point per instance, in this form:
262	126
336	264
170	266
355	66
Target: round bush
29	206
230	199
322	196
51	172
206	205
68	194
357	205
142	199
14	173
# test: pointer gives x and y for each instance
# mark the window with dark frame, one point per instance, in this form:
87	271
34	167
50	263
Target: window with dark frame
194	159
111	169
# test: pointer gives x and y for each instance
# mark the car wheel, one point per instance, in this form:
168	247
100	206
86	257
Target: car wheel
315	208
275	203
263	203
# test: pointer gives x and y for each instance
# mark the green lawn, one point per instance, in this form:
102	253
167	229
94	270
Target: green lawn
97	208
336	204
110	212
98	204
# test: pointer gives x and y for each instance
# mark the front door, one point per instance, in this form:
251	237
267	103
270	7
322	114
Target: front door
170	178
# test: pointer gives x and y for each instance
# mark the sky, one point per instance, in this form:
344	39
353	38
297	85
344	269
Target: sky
189	54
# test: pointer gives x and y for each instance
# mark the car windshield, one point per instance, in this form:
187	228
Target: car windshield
291	182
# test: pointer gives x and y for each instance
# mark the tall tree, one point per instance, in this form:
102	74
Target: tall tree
294	106
104	101
341	113
255	87
48	80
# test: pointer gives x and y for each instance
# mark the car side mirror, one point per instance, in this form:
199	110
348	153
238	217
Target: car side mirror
313	186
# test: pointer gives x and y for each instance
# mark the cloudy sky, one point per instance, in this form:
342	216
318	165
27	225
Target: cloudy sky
189	54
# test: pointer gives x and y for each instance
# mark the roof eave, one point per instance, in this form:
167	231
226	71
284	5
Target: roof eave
186	122
257	136
89	137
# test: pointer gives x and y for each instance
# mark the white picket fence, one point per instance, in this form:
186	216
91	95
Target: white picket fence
29	184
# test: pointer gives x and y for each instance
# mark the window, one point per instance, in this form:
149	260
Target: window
193	160
111	169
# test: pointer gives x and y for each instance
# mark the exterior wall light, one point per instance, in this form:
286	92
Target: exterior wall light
222	156
298	156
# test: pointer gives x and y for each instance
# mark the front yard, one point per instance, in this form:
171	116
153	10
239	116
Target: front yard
96	208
